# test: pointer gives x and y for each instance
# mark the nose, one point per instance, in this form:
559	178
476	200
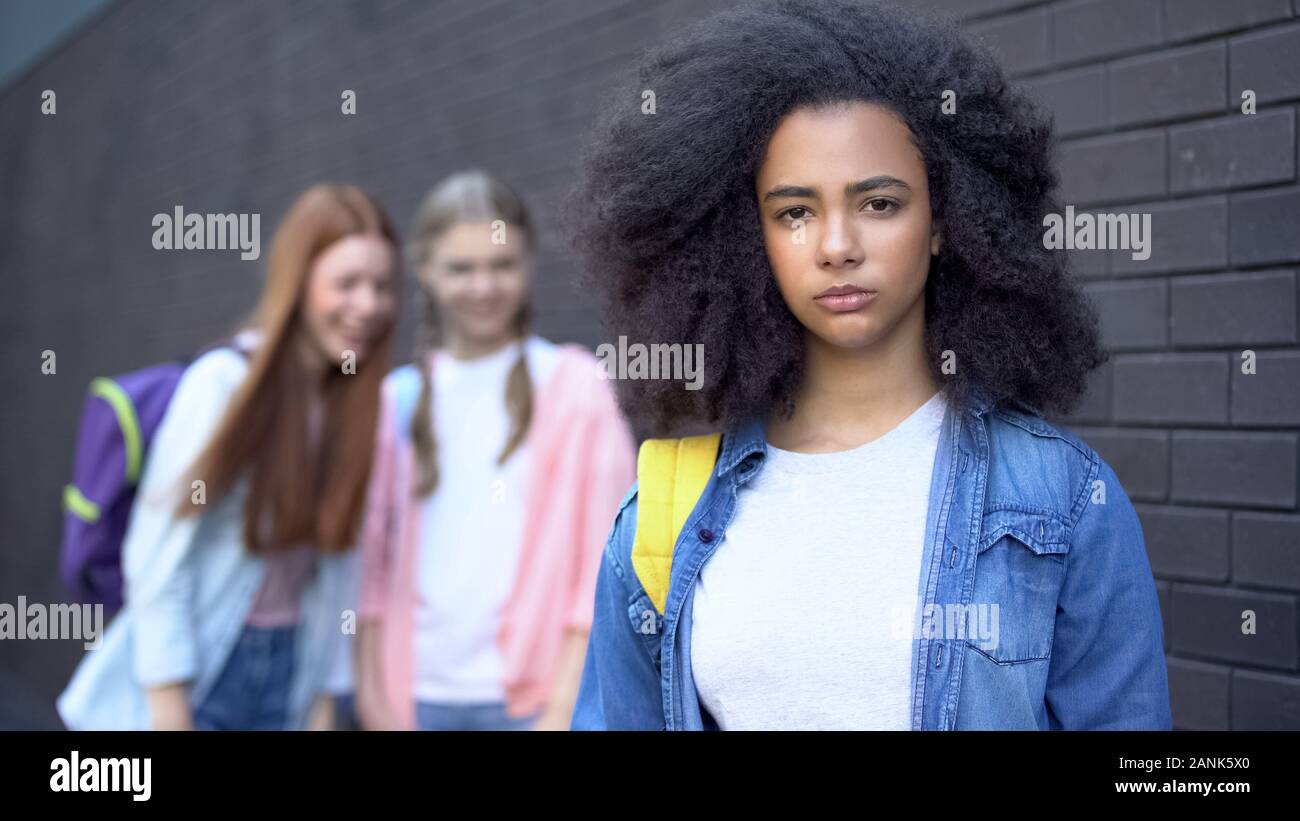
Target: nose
839	246
368	301
484	283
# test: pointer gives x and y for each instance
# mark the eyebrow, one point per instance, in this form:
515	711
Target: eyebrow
860	187
470	261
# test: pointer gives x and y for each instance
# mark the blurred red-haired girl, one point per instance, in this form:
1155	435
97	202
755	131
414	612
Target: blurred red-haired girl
236	559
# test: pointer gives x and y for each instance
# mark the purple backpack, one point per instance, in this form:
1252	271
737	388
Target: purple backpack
118	423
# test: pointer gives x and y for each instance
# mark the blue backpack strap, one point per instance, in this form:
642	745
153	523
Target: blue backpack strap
406	392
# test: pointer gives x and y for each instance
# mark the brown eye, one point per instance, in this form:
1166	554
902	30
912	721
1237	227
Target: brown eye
790	213
886	206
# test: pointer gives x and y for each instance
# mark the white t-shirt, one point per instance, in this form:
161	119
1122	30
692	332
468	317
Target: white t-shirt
803	616
472	526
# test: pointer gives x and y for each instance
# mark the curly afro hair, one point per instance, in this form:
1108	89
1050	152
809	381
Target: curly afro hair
665	216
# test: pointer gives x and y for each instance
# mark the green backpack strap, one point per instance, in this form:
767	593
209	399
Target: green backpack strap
671	475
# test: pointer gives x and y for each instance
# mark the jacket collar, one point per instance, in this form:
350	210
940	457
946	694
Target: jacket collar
749	437
744	440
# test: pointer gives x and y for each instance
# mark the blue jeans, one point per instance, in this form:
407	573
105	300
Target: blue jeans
488	716
252	692
345	712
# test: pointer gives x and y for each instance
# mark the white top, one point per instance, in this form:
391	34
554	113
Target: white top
472	526
803	616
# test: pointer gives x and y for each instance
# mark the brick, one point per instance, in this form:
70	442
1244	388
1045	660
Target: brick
1270	395
1163	593
1076	98
1266	550
1188	544
1263	227
1092	29
1199	694
1208	623
1018	40
1186	19
1233	152
1133	314
1140	458
1266	62
1094	407
1113	168
1234	468
1186	235
1233	309
25	705
966	8
1171	389
1090	263
1167	85
1265	701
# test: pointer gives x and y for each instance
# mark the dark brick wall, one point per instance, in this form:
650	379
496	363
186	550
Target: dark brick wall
234	106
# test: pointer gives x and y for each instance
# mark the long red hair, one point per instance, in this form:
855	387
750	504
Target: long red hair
302	489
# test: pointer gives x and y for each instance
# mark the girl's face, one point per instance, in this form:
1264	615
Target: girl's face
846	220
349	301
478	276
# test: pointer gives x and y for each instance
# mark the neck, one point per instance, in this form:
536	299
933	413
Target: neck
314	362
851	396
462	347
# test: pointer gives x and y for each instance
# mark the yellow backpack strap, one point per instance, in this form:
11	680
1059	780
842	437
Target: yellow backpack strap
671	475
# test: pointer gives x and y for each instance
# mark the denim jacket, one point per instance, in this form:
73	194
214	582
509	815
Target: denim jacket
1022	515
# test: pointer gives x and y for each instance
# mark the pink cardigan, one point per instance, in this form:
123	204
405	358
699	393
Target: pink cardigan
583	462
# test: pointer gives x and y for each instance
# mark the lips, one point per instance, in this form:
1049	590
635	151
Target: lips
841	298
840	290
354	338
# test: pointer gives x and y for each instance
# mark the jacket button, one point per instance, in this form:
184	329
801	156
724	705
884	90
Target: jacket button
706	535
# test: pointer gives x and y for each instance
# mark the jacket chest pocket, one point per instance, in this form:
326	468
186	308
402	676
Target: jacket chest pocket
1018	576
